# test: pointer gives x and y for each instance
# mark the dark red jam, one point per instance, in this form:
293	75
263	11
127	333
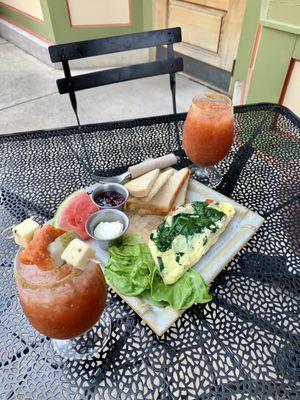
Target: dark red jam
110	198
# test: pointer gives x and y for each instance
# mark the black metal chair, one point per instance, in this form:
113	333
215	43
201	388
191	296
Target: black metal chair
71	51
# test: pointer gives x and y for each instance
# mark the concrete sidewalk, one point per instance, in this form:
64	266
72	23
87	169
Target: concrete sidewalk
30	101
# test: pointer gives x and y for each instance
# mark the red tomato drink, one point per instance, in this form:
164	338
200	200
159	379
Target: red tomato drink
208	129
61	303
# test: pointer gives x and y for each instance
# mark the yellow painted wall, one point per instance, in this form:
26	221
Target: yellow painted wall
99	12
94	18
30	7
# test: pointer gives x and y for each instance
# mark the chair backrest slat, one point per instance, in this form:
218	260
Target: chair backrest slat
106	77
89	48
70	51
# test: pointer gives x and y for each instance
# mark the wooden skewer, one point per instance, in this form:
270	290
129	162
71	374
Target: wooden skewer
5	237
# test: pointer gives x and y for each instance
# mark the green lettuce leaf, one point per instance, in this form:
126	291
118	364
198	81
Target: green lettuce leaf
190	289
127	270
132	271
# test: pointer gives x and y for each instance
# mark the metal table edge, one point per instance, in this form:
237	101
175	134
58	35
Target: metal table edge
152	119
107	124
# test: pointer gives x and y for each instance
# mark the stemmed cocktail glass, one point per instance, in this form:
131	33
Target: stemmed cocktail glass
208	135
65	304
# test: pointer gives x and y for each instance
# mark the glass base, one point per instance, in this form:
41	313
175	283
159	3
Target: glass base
87	345
209	176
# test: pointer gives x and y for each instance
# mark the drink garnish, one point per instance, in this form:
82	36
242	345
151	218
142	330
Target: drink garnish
37	250
78	254
25	231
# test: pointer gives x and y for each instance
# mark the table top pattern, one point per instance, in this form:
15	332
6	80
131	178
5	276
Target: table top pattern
244	344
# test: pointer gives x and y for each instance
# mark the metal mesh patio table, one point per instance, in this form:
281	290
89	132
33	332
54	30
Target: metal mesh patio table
244	344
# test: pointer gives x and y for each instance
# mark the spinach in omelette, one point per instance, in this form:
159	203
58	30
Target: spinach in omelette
185	236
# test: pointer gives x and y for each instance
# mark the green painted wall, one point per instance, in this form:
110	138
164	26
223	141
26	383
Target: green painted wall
43	29
148	14
296	53
272	62
57	29
248	34
281	15
287	11
279	43
63	32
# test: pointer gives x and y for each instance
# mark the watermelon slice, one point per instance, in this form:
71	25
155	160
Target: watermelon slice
73	213
37	250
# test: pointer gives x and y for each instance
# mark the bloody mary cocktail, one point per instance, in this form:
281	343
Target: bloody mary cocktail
61	303
208	130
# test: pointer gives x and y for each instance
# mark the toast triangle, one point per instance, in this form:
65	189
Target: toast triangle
160	182
141	186
163	201
181	197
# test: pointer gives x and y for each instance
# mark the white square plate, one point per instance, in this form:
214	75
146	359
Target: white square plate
241	228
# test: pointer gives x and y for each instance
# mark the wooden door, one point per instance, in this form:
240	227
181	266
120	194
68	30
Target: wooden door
210	35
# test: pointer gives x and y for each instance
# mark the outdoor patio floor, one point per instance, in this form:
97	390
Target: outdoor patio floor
30	101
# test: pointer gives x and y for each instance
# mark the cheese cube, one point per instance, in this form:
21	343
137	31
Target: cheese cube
25	231
57	247
78	254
